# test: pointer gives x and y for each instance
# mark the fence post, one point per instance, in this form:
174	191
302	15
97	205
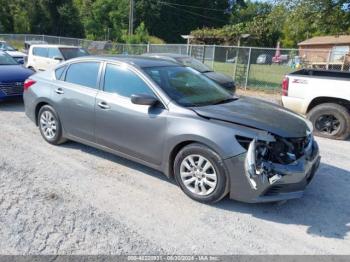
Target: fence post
204	49
248	69
148	47
329	59
213	62
236	63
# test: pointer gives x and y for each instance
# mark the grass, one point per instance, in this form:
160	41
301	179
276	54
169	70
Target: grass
265	77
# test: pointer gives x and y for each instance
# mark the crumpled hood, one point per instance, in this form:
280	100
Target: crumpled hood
14	73
258	114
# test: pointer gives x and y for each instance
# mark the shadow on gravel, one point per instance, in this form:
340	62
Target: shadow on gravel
12	105
118	160
324	209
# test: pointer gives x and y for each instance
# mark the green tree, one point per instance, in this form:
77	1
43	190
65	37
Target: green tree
140	36
169	19
307	18
6	19
104	17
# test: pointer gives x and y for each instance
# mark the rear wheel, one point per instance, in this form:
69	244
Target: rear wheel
330	121
200	173
50	125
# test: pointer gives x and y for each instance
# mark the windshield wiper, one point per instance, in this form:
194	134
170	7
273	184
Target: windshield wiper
227	100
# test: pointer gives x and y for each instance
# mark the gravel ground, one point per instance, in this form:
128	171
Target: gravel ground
73	199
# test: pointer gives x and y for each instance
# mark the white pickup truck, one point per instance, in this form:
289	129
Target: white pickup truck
323	96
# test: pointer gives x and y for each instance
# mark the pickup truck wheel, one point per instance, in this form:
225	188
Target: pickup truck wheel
330	121
201	174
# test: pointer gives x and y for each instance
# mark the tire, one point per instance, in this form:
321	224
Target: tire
335	114
48	120
205	180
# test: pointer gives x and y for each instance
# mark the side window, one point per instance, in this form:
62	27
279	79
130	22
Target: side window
54	52
124	82
84	74
59	71
40	51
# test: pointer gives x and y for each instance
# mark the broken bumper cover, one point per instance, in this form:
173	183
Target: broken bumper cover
285	182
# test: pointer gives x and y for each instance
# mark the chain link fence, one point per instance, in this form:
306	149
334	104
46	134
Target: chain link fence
250	67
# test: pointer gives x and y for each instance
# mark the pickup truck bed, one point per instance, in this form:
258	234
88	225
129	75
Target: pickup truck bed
323	96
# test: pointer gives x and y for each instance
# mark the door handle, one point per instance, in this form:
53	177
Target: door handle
59	91
103	105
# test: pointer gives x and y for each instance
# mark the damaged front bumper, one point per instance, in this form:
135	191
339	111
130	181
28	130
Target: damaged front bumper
278	181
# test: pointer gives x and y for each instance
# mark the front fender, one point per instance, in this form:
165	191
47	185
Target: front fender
217	135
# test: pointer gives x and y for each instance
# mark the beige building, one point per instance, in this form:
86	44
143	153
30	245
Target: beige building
330	52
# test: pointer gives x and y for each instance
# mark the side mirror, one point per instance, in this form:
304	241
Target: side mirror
57	58
142	99
20	61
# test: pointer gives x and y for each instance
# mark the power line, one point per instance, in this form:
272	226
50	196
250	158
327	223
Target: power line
193	13
193	6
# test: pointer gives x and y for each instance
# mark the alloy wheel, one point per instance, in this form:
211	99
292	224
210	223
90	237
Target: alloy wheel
198	175
327	124
48	124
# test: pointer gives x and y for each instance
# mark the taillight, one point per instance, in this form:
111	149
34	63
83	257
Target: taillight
28	83
285	86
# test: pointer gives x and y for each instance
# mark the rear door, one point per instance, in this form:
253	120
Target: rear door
136	130
75	96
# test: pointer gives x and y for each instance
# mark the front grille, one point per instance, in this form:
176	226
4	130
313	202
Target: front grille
12	89
287	150
286	188
299	145
274	190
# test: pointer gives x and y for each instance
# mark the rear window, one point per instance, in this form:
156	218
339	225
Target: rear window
69	53
40	51
54	52
59	72
84	74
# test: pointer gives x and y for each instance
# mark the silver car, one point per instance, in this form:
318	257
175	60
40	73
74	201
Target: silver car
176	120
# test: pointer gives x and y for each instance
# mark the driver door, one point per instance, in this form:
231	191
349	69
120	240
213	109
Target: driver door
135	130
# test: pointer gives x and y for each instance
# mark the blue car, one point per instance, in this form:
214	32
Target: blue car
12	77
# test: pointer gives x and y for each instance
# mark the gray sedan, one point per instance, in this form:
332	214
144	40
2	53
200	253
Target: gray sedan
176	120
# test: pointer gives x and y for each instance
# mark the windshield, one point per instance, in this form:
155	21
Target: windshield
188	87
194	63
69	53
5	59
6	47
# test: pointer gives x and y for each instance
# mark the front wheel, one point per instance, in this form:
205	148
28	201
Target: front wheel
200	173
330	121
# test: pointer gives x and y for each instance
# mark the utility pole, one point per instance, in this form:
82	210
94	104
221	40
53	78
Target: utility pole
131	17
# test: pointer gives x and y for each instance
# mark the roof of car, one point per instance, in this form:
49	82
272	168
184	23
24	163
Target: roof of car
140	61
57	46
172	55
